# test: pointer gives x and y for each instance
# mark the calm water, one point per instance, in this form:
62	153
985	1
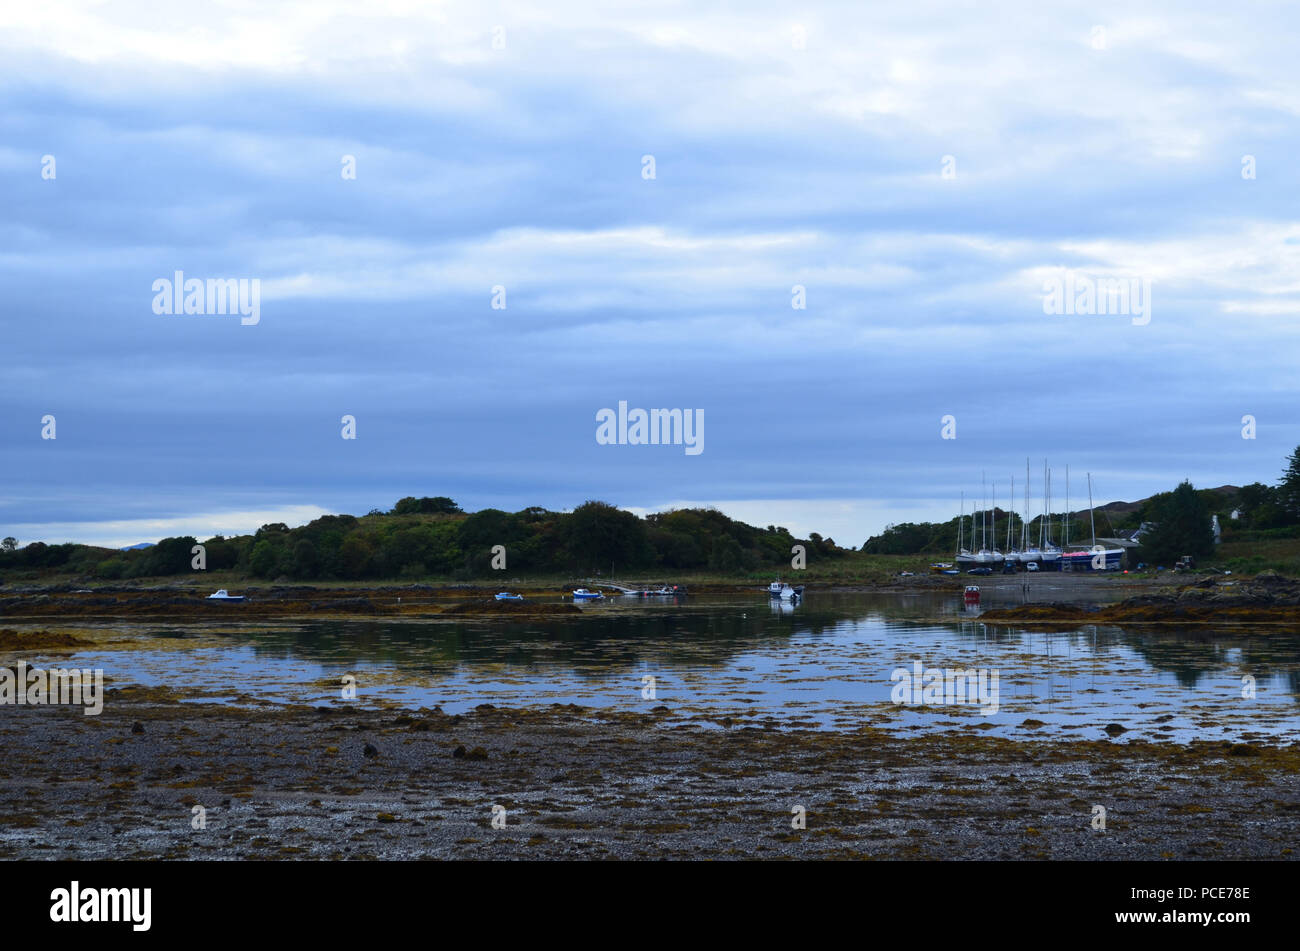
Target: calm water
825	663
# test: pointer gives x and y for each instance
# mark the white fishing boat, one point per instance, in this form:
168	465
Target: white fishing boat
223	595
785	592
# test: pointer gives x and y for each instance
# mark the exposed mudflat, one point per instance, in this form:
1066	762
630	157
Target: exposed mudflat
287	602
12	640
341	782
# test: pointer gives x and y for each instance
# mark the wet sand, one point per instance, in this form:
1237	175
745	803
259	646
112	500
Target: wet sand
341	782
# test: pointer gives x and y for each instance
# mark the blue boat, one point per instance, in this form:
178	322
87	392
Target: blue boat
582	594
507	596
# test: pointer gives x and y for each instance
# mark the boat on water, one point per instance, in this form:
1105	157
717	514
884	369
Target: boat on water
507	596
663	591
582	594
779	589
223	595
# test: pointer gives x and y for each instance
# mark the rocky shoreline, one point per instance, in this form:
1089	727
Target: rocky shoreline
340	782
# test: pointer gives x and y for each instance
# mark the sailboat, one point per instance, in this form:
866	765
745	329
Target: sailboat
1012	556
1028	553
964	558
1098	558
1051	554
988	557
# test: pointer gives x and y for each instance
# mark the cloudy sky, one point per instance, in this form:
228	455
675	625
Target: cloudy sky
922	170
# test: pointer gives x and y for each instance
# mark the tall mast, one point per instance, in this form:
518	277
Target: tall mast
1024	522
1092	521
1012	497
1067	507
1042	523
1049	507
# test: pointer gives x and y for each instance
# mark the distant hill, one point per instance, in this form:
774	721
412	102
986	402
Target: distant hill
137	547
1125	508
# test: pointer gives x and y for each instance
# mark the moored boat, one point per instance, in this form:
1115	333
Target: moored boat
663	591
582	594
785	592
507	596
222	595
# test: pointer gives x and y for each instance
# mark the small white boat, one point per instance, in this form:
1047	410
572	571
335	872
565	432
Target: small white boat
582	594
783	591
507	596
222	595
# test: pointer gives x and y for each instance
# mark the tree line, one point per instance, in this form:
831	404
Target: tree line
432	537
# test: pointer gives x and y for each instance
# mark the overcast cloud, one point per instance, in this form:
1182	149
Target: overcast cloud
1104	138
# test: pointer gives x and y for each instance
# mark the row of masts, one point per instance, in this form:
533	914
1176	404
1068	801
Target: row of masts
988	519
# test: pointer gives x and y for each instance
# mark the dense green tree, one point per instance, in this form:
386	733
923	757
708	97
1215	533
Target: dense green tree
266	558
171	556
1288	490
305	562
1182	526
724	554
437	505
601	534
356	556
222	553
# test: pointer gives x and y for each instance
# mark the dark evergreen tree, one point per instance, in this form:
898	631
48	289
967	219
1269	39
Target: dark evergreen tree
1182	527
